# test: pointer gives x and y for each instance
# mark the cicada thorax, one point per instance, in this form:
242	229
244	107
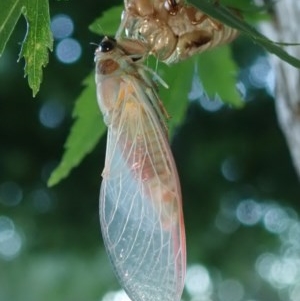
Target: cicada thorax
171	29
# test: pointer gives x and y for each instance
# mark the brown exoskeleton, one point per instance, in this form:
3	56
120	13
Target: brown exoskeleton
171	30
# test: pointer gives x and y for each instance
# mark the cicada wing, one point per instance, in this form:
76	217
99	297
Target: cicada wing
143	235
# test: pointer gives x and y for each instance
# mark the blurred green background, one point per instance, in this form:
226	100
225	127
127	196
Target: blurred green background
240	191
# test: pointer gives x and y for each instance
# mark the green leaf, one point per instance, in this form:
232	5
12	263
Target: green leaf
85	133
225	15
9	15
38	37
37	41
242	5
108	23
218	72
175	98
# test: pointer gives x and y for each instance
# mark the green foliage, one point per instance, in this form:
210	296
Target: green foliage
85	133
245	6
178	78
213	67
108	22
38	38
9	15
218	72
37	41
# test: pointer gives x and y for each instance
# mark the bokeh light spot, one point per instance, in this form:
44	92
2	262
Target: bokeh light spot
42	201
283	272
10	194
295	293
51	114
116	296
47	169
249	212
198	281
68	51
197	90
225	223
259	73
211	105
240	86
276	220
230	170
10	239
263	265
62	26
294	235
225	220
6	228
197	93
231	290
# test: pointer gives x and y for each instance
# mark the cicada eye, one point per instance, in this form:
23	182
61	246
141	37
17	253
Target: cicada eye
107	44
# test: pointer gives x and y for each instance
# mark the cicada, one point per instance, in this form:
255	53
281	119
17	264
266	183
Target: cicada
140	199
171	29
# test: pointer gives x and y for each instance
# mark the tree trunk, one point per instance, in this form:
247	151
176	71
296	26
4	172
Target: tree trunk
285	28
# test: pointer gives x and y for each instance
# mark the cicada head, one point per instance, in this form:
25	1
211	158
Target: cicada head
108	57
104	57
116	62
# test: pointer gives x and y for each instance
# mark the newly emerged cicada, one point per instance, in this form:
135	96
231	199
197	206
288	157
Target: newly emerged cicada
140	199
172	30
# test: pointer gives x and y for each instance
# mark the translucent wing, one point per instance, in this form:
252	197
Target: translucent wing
140	200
